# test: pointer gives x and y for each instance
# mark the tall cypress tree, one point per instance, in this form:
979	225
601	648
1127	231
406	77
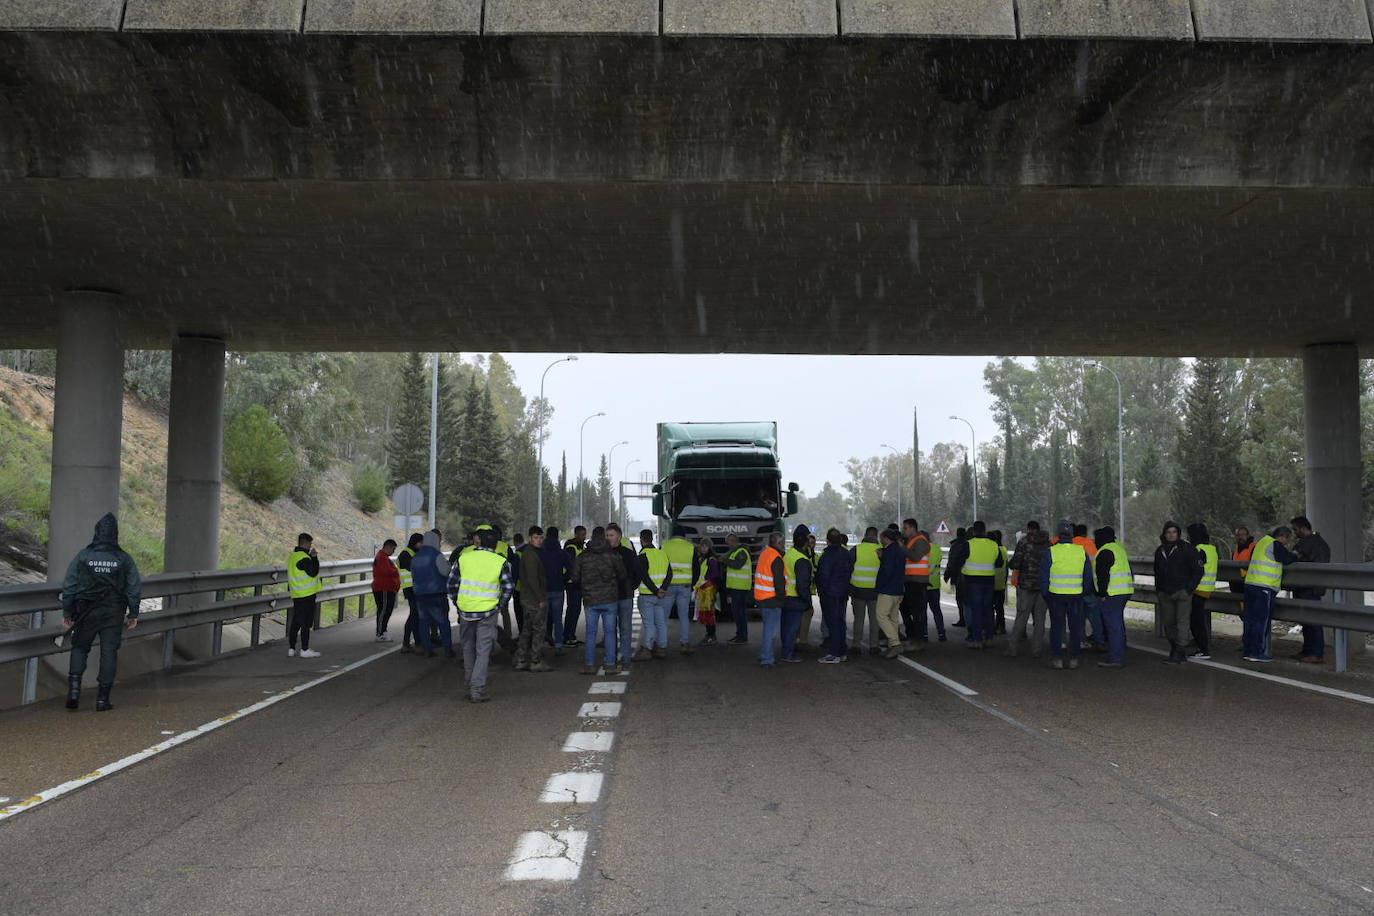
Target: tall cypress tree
605	499
1209	485
407	450
560	516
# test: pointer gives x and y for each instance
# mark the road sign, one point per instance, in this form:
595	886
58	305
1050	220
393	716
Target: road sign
409	522
409	499
944	527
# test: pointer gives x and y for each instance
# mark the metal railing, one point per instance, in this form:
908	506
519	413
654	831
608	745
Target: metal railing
1342	609
220	597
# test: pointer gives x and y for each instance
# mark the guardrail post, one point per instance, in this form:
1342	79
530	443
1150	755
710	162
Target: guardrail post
31	664
169	638
1340	639
343	580
256	636
362	599
217	633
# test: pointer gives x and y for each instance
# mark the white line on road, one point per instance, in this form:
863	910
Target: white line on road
572	788
548	855
1277	679
608	687
939	678
582	742
48	795
600	710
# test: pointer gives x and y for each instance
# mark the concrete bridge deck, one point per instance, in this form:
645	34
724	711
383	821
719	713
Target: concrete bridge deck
727	788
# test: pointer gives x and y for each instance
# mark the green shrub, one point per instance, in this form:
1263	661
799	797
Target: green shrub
369	487
258	456
306	491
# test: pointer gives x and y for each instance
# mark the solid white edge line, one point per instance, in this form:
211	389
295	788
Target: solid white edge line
1276	678
939	678
123	763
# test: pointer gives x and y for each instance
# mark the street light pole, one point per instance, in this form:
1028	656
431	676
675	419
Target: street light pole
581	469
899	480
433	446
539	433
1120	450
610	464
974	456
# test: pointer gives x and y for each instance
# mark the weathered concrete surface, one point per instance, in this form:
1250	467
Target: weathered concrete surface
555	17
952	18
100	15
1096	18
454	17
205	15
1290	20
749	17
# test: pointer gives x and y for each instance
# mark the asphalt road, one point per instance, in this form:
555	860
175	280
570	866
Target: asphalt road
734	789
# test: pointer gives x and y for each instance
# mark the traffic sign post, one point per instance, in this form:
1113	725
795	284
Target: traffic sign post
944	527
409	499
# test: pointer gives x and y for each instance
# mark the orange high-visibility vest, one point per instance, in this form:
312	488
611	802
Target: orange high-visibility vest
1088	544
1243	556
914	568
765	589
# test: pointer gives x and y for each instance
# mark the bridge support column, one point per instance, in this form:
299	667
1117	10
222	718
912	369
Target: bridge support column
195	456
1331	410
88	421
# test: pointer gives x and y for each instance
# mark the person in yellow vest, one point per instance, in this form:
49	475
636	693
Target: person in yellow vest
978	571
655	576
1115	585
809	612
937	555
1200	619
1263	579
739	582
797	595
770	587
686	565
503	550
1063	580
408	589
999	587
303	582
863	592
480	584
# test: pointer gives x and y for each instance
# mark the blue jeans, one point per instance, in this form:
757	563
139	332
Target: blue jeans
1112	610
772	625
606	618
792	611
978	607
553	627
573	612
680	597
1092	613
1062	608
1259	607
434	609
653	610
625	612
832	612
736	601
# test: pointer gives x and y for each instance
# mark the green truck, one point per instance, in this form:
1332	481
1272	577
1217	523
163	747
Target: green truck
718	479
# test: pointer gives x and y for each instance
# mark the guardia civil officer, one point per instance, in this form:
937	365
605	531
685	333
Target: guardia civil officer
101	587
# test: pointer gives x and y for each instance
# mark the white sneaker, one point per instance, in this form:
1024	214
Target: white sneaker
309	653
290	653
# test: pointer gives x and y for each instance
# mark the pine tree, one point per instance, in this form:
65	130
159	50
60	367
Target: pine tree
1210	485
408	449
465	495
449	469
605	499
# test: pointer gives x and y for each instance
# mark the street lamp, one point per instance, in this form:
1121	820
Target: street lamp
539	432
610	464
1120	451
581	466
899	480
974	454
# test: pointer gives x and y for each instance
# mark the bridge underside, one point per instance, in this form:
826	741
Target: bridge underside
673	267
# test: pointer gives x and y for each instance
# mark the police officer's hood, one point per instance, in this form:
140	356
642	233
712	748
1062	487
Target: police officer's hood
1198	534
106	533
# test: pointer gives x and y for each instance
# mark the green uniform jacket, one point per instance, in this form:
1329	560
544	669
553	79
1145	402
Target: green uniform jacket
102	578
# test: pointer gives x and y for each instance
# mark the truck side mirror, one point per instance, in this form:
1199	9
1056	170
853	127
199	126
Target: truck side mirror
792	500
658	500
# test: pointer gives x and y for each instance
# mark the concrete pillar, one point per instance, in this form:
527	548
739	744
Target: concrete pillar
195	456
1331	411
88	421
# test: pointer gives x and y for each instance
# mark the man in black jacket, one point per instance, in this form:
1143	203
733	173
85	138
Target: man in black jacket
625	603
1311	547
101	585
1178	570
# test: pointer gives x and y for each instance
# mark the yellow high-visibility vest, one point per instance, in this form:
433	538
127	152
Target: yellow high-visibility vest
407	578
1209	569
680	553
1264	570
789	562
298	583
1066	568
739	579
982	557
1121	580
866	563
658	568
479	588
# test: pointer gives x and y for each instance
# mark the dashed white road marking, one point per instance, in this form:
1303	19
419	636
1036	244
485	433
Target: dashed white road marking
572	788
608	687
939	678
583	742
123	763
599	710
548	855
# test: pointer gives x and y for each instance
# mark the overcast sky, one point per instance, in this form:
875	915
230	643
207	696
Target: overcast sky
828	408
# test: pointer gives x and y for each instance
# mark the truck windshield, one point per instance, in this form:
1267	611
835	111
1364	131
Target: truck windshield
738	498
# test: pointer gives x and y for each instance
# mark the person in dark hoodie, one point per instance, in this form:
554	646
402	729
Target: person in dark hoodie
556	570
102	585
1178	570
1310	547
430	570
1031	552
956	556
1200	619
836	567
891	587
600	576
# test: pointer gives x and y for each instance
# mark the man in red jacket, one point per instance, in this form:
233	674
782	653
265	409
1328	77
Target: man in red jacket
386	582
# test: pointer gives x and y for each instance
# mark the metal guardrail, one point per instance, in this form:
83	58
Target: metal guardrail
214	604
1341	580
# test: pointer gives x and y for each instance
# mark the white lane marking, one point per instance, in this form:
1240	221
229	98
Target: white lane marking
3	799
600	710
572	788
552	855
598	742
607	687
939	678
1286	681
47	795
